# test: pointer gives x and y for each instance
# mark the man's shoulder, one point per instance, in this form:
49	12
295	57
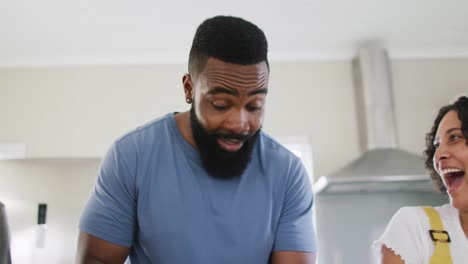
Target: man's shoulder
274	148
147	130
144	138
275	153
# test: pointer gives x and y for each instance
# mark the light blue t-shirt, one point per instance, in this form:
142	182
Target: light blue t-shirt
153	195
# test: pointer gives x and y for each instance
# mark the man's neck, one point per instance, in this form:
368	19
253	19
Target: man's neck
183	124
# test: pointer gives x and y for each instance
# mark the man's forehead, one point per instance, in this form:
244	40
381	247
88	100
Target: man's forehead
216	66
247	84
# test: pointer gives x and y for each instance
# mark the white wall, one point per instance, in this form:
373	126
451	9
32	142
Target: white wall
316	99
64	184
78	111
421	88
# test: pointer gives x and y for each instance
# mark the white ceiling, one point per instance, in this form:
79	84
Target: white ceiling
65	32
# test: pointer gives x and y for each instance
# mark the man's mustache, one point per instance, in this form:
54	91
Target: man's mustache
232	136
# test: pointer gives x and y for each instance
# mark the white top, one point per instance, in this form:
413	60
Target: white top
407	235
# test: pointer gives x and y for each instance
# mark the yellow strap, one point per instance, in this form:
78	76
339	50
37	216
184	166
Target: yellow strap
442	246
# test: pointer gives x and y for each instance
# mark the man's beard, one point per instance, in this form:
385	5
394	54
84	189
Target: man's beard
218	162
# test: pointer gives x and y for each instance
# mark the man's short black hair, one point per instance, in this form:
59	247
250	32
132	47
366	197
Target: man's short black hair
230	39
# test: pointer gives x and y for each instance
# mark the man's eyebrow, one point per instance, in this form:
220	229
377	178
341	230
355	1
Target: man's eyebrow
259	91
219	90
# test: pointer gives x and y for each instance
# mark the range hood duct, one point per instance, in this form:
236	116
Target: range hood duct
382	167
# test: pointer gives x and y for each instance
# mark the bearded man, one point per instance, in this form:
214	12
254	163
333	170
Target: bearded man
206	185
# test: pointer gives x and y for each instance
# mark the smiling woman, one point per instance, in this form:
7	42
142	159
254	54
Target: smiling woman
439	234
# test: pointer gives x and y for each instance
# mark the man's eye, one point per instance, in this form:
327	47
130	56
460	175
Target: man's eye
220	106
252	108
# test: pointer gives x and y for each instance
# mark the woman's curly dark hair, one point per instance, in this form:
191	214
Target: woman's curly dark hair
461	107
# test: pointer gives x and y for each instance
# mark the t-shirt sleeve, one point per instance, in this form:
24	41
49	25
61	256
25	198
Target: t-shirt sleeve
295	230
110	213
404	235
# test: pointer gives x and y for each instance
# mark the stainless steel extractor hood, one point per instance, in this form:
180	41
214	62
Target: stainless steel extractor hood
382	167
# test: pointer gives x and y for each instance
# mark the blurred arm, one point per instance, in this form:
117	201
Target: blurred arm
389	257
292	257
93	250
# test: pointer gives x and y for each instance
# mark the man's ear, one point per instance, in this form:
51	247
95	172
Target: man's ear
188	88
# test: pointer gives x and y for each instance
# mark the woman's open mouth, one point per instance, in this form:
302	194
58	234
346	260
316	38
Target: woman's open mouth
453	178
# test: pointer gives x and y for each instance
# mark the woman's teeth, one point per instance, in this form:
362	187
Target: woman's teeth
450	170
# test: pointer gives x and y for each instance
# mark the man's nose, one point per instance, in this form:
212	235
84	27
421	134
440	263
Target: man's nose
238	122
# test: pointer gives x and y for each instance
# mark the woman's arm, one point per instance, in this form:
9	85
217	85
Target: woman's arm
389	257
